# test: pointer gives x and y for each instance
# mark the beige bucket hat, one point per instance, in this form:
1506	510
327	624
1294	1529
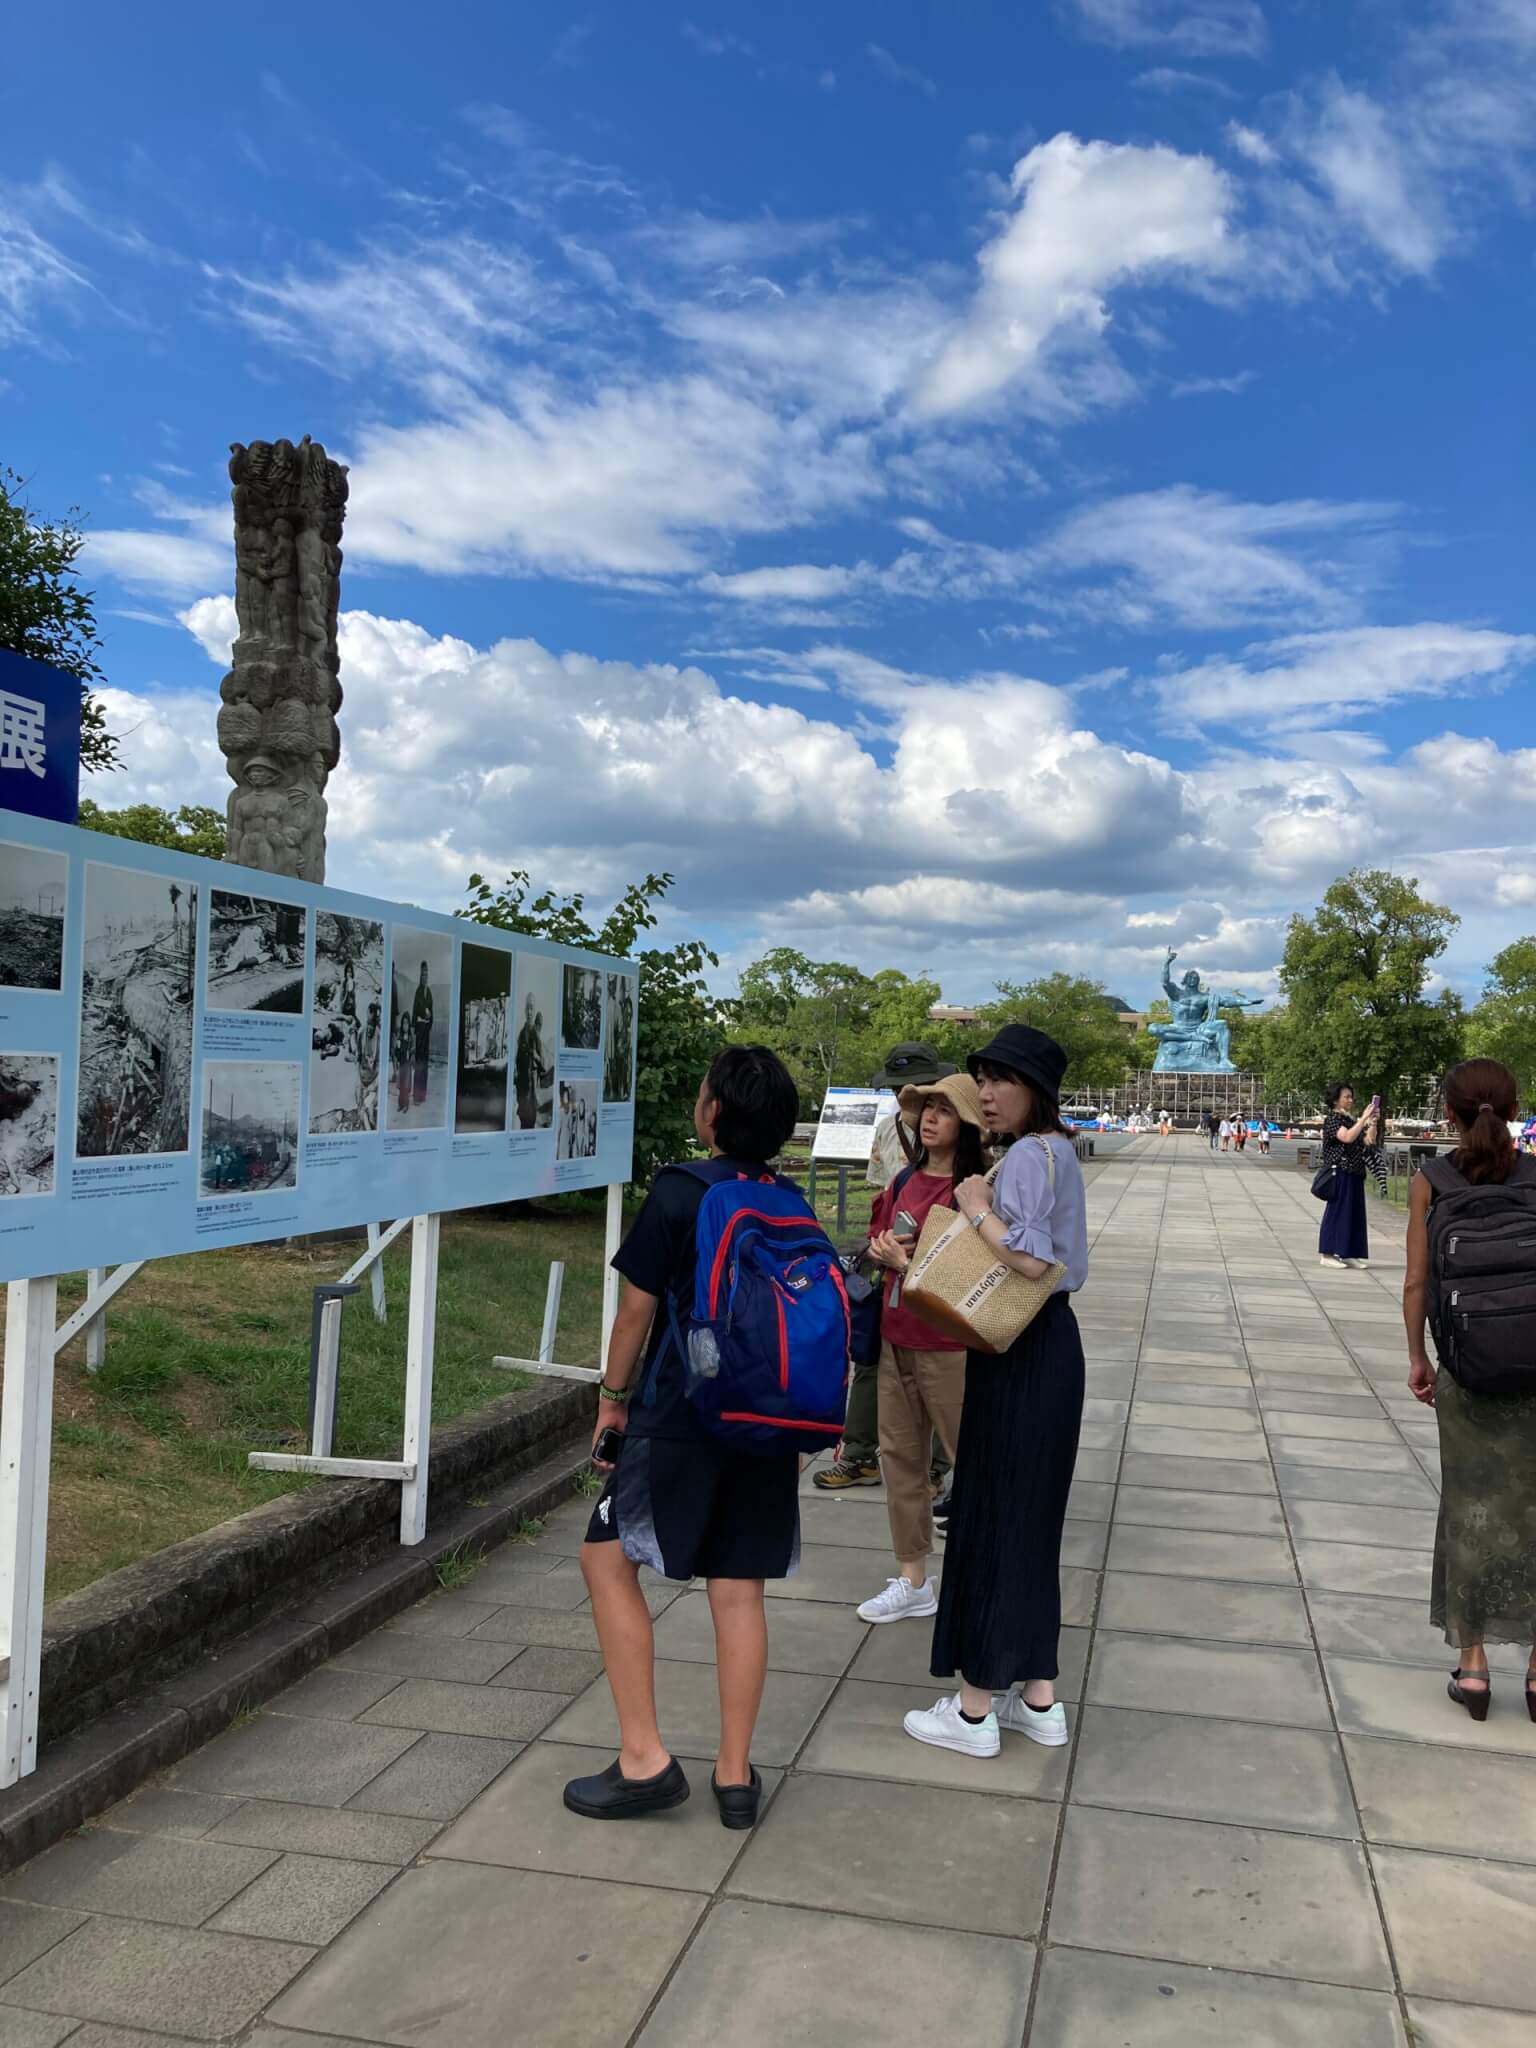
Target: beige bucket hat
958	1090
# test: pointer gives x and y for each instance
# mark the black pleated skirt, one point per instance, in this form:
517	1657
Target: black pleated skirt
1000	1596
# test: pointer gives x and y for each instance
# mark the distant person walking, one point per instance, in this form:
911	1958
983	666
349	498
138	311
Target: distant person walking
1343	1238
1225	1128
1000	1601
1209	1123
922	1372
1483	1587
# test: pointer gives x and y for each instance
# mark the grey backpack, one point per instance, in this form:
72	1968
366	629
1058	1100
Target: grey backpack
1482	1277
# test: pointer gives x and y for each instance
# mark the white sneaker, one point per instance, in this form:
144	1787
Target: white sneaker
1332	1259
901	1601
1049	1728
1359	1265
941	1725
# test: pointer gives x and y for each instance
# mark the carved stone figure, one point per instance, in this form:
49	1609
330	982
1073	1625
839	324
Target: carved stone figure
277	726
1199	1040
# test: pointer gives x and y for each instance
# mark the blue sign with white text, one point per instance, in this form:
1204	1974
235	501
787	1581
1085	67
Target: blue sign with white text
39	739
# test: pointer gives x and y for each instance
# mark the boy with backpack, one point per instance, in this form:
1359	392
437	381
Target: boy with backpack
734	1296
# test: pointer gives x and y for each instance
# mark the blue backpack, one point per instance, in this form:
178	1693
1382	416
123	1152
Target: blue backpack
765	1343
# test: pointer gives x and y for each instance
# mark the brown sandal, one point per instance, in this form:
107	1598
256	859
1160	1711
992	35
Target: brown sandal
1475	1699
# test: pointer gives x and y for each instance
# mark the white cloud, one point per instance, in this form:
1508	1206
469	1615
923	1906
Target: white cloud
1248	142
1368	163
1208	560
1516	886
892	68
1203	387
213	625
1168	78
627	478
1311	678
792	580
175	563
1195	28
426	308
1091	216
32	273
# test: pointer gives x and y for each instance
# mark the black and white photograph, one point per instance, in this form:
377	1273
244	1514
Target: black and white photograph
29	1122
533	1058
485	998
576	1120
581	1009
250	1140
255	954
421	991
138	995
851	1112
33	884
619	1039
346	1024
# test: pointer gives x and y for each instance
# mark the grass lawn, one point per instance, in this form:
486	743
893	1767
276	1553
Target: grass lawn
208	1358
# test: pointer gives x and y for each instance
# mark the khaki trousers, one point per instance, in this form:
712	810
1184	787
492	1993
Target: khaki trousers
921	1393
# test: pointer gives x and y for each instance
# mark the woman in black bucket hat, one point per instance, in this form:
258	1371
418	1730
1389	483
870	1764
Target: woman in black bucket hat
1000	1600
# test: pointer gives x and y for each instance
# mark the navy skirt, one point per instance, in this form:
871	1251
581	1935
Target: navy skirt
1000	1596
1343	1234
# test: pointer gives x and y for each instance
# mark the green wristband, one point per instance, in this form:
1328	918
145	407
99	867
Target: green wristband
619	1396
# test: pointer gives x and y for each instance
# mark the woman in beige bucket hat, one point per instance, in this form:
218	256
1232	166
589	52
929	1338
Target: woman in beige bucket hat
922	1371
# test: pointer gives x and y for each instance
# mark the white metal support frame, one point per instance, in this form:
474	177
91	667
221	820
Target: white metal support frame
410	1468
91	1316
26	1426
380	1238
544	1365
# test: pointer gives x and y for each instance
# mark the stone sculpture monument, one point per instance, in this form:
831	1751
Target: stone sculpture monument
1199	1040
277	726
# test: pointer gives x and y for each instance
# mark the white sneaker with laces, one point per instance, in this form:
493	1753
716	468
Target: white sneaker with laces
943	1727
1049	1728
901	1601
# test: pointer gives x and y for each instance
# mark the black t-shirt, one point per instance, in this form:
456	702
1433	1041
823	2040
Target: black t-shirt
658	1256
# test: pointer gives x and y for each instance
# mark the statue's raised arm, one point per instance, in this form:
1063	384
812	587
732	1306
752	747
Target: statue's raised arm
1169	990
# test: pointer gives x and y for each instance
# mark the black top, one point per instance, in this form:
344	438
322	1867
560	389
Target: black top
658	1256
1350	1159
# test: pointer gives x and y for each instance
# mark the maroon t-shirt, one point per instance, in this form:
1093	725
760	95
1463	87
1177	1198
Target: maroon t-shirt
919	1192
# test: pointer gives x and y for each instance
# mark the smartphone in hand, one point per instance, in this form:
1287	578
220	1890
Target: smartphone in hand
608	1446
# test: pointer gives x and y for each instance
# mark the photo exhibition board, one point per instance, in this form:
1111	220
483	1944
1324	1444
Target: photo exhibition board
846	1129
194	1054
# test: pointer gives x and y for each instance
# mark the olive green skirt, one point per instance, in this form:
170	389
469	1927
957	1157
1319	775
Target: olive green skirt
1484	1585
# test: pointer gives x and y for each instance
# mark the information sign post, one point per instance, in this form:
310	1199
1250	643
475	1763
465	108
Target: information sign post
194	1054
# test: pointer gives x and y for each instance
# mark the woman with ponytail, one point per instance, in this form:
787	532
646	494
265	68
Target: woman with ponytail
1484	1389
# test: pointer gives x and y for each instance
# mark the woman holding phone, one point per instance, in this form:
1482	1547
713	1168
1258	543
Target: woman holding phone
1348	1140
922	1372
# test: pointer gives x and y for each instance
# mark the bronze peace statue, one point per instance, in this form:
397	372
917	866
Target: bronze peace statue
1199	1039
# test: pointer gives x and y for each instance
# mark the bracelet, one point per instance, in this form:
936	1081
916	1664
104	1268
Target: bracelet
619	1396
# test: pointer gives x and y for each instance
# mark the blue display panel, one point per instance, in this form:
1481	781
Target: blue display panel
195	1054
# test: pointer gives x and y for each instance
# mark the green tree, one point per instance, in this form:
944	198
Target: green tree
1073	1011
45	614
192	828
817	1015
1144	1047
1354	978
1503	1025
679	1029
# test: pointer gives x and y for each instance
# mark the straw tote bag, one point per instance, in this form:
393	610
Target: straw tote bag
957	1282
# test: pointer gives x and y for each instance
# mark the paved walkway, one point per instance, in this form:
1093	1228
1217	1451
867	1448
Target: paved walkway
1231	1851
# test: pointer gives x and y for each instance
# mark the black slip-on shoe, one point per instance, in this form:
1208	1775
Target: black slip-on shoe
612	1796
738	1804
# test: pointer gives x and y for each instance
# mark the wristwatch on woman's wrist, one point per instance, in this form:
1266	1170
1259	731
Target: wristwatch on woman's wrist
980	1217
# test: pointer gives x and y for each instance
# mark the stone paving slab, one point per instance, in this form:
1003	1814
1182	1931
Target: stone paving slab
757	1972
1263	1762
1091	2000
453	1950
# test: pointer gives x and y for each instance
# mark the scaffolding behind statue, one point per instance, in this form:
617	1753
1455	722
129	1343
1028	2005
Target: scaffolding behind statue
1199	1040
277	726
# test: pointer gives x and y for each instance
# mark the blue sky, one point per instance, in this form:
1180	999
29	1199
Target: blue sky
981	488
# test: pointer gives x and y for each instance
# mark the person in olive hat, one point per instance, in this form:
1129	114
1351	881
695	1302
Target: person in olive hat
1000	1601
909	1065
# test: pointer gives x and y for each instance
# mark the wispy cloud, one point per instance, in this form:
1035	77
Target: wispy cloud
1195	28
891	67
1168	78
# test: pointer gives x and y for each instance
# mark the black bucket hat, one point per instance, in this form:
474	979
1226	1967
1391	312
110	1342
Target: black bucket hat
1032	1055
912	1065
